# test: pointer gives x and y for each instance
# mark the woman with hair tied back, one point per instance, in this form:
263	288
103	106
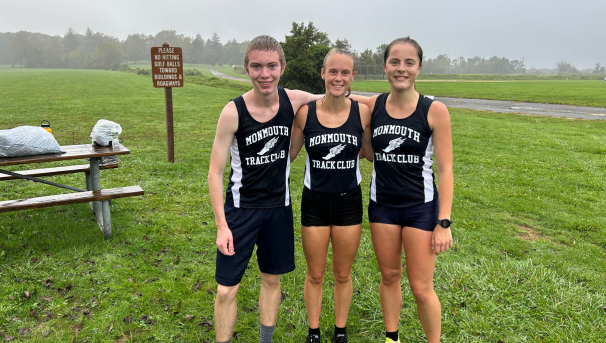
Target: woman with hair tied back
332	130
404	211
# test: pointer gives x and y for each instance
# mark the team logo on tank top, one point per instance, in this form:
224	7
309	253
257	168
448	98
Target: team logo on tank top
334	151
272	142
263	156
404	133
394	143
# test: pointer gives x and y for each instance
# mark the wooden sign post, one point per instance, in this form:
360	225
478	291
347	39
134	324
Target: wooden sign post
167	72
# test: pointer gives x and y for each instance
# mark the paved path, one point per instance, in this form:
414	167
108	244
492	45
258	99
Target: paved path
531	108
225	76
553	110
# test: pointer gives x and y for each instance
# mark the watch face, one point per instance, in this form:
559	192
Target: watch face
445	223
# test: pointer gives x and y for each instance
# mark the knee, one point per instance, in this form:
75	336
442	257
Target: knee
422	293
315	277
342	277
226	294
391	277
270	281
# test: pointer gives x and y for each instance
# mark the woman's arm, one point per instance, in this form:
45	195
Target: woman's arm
366	150
439	122
368	101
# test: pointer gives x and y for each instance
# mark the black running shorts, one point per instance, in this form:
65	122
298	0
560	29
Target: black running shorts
423	216
340	209
271	229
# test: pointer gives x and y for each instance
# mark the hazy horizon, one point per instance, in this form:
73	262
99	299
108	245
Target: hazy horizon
542	33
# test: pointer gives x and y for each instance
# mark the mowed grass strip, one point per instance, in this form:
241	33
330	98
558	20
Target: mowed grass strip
527	265
574	92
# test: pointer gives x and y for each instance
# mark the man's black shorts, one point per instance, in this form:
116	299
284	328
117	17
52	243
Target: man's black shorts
271	229
340	209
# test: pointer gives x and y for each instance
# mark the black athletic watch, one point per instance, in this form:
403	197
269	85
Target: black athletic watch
445	223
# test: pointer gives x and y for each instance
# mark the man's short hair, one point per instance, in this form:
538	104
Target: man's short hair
264	43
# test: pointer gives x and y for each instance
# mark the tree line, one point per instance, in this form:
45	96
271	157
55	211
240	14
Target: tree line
98	50
304	48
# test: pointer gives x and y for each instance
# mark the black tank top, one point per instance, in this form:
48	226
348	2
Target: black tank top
402	174
332	164
260	163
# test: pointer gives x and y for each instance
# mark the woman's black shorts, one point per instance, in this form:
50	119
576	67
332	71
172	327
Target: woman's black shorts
340	209
423	216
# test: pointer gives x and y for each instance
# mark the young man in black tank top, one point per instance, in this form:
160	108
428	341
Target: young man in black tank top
255	131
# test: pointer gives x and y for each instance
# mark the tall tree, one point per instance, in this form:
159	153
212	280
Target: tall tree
27	49
186	49
197	49
379	52
305	50
168	36
54	56
231	52
214	50
564	67
302	38
342	44
108	55
136	47
366	57
70	40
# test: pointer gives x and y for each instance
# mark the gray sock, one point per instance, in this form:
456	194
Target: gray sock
228	341
267	333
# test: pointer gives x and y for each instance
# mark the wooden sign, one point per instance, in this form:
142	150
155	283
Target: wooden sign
167	66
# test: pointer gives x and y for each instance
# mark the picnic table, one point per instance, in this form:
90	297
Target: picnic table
98	197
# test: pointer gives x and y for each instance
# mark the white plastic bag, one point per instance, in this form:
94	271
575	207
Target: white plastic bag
27	141
104	131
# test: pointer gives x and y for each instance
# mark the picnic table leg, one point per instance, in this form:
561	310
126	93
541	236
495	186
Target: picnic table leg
88	187
107	222
95	182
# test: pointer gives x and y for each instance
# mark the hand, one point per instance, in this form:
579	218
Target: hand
225	242
441	240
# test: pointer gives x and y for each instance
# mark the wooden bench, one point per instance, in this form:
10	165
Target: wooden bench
82	168
104	195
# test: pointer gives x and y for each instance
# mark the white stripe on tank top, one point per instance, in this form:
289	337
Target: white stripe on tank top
236	167
373	185
286	195
307	180
427	171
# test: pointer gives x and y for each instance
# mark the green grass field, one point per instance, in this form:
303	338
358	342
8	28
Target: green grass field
527	263
573	92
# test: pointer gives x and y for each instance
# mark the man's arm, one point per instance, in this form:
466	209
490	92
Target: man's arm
299	98
226	129
297	139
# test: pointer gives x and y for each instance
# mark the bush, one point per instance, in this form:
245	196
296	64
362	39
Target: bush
193	72
218	83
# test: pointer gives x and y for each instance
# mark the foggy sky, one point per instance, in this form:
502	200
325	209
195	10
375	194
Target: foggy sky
542	32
